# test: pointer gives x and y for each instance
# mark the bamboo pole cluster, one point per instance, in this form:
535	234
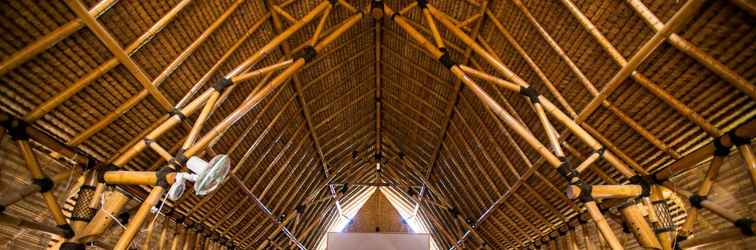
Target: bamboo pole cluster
114	201
641	188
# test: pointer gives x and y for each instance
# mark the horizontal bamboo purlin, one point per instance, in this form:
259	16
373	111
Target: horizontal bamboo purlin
650	85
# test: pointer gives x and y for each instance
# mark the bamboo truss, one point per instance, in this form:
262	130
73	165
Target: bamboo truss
440	161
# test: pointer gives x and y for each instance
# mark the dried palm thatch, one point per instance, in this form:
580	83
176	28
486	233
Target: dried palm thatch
494	124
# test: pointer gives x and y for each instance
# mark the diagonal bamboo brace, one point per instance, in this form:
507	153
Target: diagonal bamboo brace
520	129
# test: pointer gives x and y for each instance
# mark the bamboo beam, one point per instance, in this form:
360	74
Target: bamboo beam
88	78
112	44
191	107
159	80
457	87
695	52
681	108
298	87
746	130
675	23
581	77
50	39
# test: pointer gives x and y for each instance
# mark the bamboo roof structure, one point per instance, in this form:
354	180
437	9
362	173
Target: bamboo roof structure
489	124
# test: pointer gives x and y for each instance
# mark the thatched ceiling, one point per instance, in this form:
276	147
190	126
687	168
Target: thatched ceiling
326	125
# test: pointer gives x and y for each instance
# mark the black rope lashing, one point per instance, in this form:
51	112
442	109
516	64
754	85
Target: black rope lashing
68	232
695	200
567	172
307	53
162	174
17	129
720	149
72	246
446	60
644	182
744	225
333	2
179	159
102	170
422	4
45	184
530	93
222	84
177	112
585	191
737	140
601	152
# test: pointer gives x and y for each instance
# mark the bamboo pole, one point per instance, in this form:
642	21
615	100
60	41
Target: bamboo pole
10	198
695	52
583	79
148	236
112	44
178	61
503	114
275	42
252	101
40	179
255	98
132	228
50	39
521	84
703	191
673	102
88	78
265	70
663	228
606	191
691	160
725	236
102	220
681	17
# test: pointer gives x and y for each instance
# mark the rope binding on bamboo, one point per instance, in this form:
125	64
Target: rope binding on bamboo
308	53
177	113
